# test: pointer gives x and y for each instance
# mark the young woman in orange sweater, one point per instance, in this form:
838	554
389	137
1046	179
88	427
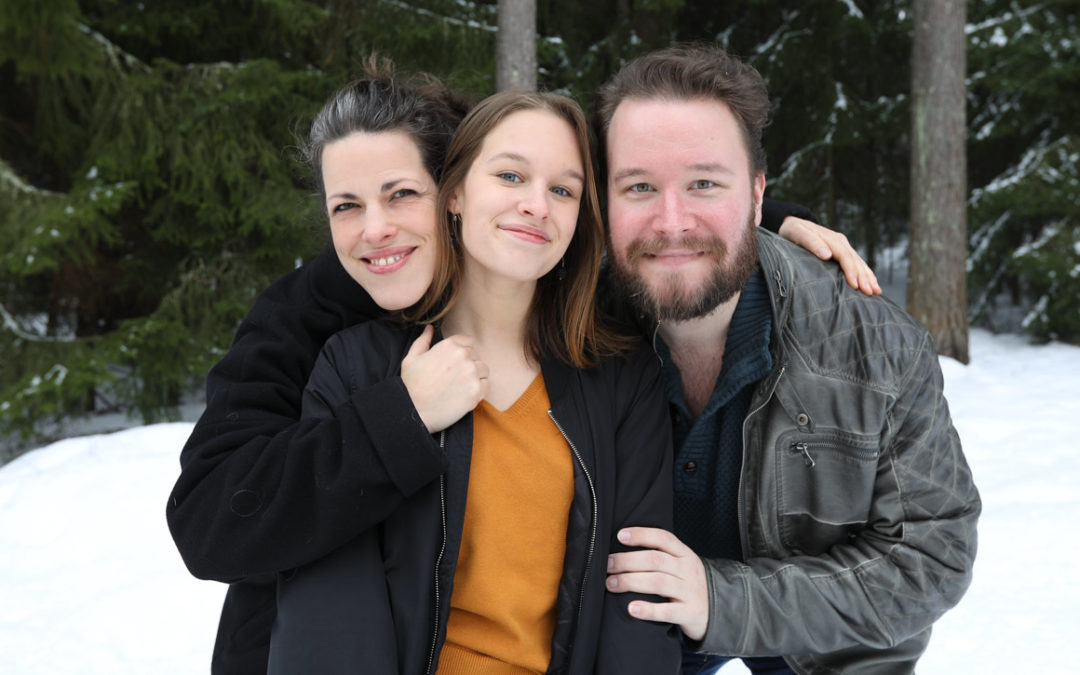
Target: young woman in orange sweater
494	562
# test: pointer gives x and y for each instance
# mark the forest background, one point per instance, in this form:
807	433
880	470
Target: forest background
149	188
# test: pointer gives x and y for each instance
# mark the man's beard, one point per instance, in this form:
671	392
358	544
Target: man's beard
668	300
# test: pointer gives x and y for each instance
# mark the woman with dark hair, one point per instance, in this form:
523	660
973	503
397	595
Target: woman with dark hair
494	563
246	494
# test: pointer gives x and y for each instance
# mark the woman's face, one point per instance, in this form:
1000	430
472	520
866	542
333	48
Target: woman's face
381	202
519	201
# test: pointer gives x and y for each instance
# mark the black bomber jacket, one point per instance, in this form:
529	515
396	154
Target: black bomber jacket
380	602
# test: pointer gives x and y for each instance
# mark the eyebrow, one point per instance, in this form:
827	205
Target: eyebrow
390	184
710	166
517	157
635	172
627	173
385	187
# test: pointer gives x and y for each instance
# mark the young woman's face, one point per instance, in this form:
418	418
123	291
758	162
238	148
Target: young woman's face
381	203
519	201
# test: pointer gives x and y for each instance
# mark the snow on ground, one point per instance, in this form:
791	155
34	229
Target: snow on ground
90	581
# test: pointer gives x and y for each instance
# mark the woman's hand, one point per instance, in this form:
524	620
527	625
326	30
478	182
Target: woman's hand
445	381
828	244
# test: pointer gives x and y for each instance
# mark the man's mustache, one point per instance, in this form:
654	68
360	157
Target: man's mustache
654	246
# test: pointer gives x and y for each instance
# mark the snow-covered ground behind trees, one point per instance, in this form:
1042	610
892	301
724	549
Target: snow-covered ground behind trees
90	581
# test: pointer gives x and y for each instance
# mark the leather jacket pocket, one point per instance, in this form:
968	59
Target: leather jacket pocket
826	487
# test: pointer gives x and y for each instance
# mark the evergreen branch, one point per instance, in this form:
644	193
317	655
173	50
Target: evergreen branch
115	53
9	177
1048	232
1028	164
454	21
791	164
984	236
996	21
11	324
981	305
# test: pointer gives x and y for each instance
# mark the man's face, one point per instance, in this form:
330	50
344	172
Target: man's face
682	206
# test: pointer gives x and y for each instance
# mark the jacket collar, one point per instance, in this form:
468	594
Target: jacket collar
332	283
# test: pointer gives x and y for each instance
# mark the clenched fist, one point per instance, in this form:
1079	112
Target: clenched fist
445	381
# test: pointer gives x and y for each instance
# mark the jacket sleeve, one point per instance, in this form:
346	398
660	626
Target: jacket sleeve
773	213
910	563
261	490
644	497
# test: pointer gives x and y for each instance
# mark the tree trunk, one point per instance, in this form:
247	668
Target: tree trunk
515	46
937	286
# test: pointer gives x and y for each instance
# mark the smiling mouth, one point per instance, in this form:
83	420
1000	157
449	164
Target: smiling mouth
383	262
525	233
673	257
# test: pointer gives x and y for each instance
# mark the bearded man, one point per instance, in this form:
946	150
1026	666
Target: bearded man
825	514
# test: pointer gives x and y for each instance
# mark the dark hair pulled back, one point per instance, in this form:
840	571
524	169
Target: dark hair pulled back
420	106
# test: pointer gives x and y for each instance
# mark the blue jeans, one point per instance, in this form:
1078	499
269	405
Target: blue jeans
707	664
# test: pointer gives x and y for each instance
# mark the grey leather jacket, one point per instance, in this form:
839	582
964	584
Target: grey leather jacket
857	507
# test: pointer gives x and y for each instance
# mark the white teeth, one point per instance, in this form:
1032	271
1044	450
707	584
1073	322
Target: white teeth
382	262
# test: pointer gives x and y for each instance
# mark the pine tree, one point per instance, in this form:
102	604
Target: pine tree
1025	167
937	288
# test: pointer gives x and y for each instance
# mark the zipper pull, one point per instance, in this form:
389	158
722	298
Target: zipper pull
655	332
804	449
779	284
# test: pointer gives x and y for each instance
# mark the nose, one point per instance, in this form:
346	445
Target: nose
535	203
673	217
378	226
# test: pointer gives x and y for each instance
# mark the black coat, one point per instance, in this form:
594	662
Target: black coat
371	604
244	462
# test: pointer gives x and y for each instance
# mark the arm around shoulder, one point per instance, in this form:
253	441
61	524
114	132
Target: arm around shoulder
263	491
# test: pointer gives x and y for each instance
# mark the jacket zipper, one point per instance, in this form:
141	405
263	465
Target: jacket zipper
803	448
743	536
438	561
592	533
655	332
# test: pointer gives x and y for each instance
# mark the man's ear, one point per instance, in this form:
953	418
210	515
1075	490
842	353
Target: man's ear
758	187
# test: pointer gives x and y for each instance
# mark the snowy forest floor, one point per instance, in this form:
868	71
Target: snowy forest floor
91	582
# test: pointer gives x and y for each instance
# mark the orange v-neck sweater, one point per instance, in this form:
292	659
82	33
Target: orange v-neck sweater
521	483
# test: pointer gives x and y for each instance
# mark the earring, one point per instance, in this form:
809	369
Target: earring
560	273
455	226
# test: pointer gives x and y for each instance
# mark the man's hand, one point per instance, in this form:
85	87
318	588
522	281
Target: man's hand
667	568
445	381
831	245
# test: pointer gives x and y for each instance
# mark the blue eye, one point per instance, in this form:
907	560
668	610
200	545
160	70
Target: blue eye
510	177
702	184
344	206
641	187
562	192
403	192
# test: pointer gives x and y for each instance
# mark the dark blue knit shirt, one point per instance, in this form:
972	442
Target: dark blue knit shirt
708	450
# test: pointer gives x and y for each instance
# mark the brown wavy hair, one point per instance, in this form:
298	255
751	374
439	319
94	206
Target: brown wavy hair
563	320
692	72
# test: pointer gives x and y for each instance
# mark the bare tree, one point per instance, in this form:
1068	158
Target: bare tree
515	45
937	287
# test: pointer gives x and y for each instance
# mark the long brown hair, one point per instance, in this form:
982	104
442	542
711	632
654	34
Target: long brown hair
563	319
